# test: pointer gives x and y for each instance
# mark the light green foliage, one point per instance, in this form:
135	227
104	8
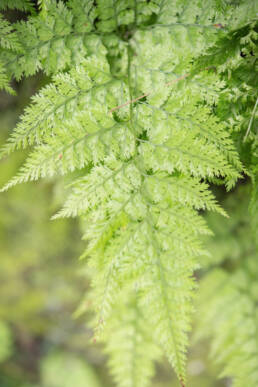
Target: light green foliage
237	106
127	107
238	102
64	370
5	340
232	319
232	293
40	280
42	250
21	5
8	43
130	345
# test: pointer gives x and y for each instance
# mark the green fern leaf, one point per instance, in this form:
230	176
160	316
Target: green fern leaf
126	110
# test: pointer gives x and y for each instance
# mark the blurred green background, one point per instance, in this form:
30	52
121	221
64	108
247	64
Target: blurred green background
42	282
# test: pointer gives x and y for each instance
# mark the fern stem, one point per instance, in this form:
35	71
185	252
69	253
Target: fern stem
146	94
129	80
160	269
186	25
251	120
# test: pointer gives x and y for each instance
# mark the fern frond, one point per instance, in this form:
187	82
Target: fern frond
232	321
9	42
52	46
8	37
21	5
231	292
130	346
240	90
67	94
147	140
4	80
